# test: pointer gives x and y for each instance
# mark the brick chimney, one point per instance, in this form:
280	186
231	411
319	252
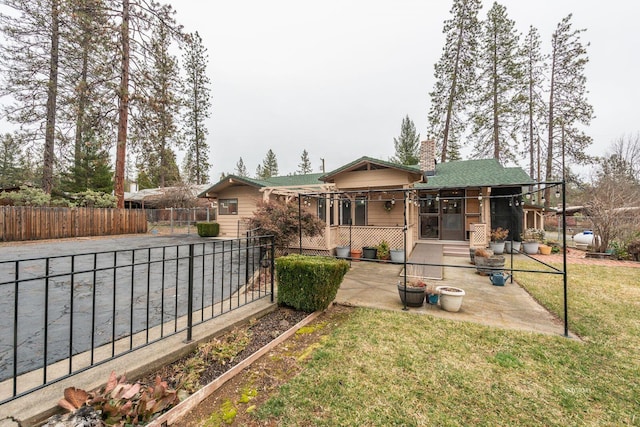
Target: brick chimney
428	157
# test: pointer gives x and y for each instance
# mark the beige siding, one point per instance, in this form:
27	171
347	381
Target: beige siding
379	216
247	197
377	178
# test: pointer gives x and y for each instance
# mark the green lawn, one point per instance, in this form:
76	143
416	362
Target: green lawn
384	368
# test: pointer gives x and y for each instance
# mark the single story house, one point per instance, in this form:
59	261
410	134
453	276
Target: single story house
368	200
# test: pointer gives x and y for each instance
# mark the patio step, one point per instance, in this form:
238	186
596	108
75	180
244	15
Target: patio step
457	250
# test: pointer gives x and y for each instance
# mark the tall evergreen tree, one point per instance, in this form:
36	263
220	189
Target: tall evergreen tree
197	109
159	106
304	167
496	116
568	104
535	106
9	161
269	166
455	77
241	169
407	145
30	61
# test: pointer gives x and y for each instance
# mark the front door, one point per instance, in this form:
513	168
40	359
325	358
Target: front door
452	214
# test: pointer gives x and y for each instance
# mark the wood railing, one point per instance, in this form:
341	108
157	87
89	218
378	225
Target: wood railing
36	223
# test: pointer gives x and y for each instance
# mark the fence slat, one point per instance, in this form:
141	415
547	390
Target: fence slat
37	223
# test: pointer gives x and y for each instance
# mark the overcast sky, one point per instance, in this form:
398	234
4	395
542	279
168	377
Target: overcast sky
337	77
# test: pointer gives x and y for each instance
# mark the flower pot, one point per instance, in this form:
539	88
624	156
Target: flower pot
414	295
369	252
491	264
530	247
343	251
432	298
544	249
356	254
397	256
450	298
472	255
497	247
512	247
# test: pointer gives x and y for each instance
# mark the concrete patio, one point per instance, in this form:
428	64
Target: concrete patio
373	285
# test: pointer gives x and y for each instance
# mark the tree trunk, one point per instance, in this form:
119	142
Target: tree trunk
452	95
52	94
496	132
123	107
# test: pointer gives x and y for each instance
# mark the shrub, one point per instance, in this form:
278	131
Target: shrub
208	229
309	283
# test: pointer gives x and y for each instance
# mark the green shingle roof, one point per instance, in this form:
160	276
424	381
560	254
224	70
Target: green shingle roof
365	159
475	173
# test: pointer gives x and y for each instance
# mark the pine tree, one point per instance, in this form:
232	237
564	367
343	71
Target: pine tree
407	145
533	93
269	166
9	161
568	104
198	108
241	169
157	134
304	167
30	61
496	116
455	77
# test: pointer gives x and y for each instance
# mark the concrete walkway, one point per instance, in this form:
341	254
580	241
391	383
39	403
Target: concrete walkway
373	285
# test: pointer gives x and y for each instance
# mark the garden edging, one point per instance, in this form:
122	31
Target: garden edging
176	413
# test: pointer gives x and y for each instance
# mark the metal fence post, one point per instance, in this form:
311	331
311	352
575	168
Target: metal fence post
190	296
273	263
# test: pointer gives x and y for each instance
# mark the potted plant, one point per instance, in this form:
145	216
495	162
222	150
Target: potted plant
413	294
531	238
383	250
369	252
487	263
343	251
432	294
512	246
497	240
397	255
450	298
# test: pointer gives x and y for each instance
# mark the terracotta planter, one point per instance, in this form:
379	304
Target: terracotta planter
356	254
544	249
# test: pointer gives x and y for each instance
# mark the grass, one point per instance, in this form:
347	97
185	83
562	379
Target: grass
384	368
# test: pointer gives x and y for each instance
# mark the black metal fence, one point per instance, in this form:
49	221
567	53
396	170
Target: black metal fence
65	314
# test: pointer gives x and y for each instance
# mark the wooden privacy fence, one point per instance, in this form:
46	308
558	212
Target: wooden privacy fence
35	223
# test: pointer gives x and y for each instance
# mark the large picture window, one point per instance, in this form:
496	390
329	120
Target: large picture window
228	207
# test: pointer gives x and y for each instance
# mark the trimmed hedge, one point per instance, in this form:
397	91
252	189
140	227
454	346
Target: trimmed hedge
208	229
309	283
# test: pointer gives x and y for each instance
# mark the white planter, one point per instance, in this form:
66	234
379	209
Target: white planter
397	255
497	247
343	251
530	248
450	298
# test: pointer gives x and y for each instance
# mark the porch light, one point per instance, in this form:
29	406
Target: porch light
393	201
510	202
528	196
557	193
480	197
437	198
517	202
542	199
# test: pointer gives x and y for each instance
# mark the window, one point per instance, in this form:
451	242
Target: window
228	207
361	211
345	212
322	203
